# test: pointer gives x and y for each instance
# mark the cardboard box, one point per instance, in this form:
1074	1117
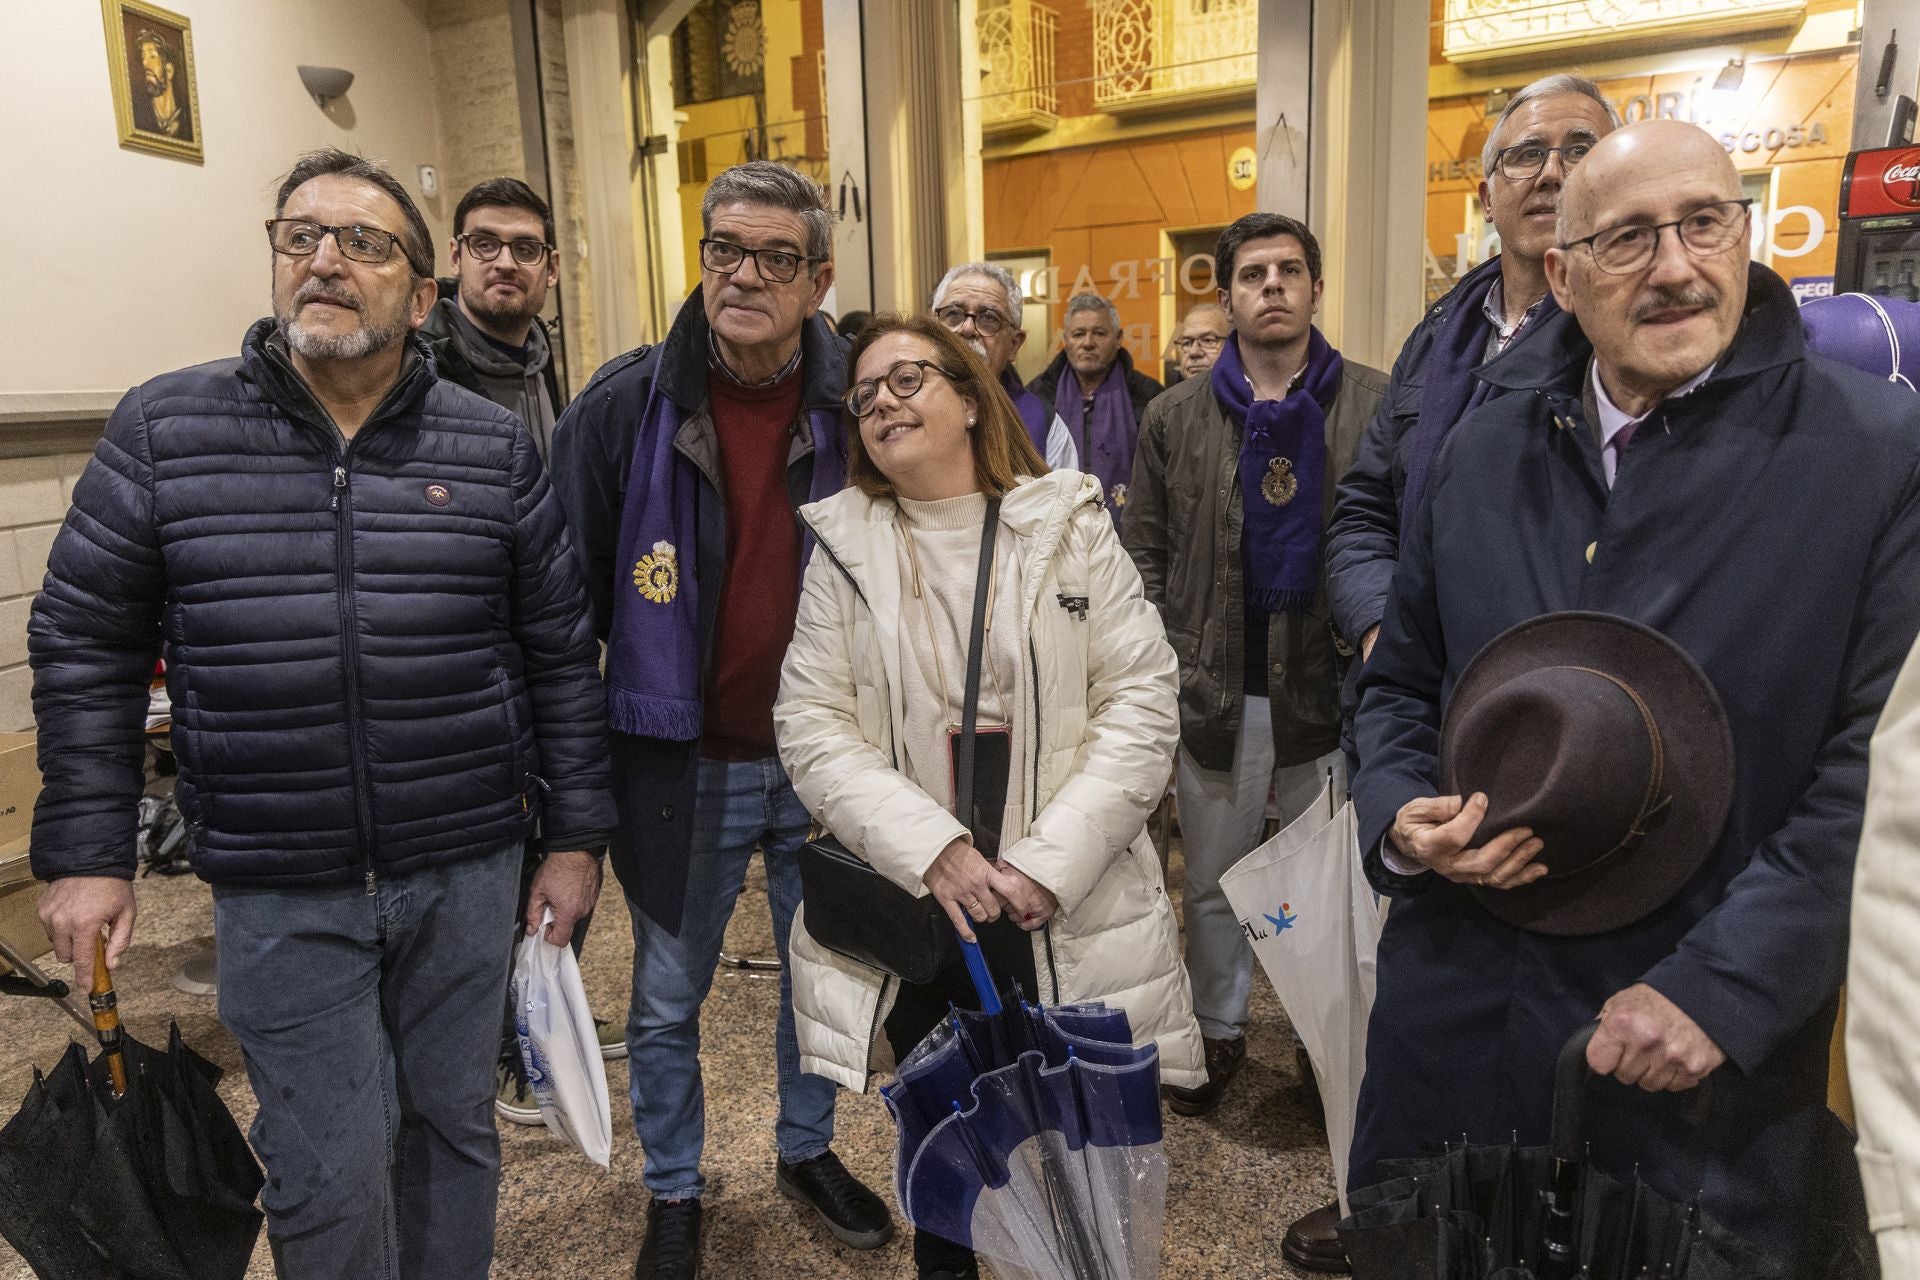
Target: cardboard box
19	785
19	904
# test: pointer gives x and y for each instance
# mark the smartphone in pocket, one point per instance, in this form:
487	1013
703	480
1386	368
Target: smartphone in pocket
992	760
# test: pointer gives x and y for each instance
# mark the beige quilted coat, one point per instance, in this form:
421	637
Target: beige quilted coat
1102	742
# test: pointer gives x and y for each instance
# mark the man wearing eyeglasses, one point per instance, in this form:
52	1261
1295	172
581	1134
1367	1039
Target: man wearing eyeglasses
682	467
383	673
1197	342
486	331
1676	458
980	301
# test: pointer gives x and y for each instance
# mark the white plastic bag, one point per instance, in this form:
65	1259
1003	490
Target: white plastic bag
559	1047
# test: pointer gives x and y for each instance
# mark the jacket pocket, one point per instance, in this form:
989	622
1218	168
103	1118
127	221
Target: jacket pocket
518	744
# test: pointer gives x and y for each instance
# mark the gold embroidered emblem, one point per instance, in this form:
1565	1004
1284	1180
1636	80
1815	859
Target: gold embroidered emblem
1119	495
657	575
1280	484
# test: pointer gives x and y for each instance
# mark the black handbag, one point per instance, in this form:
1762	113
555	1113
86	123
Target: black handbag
853	910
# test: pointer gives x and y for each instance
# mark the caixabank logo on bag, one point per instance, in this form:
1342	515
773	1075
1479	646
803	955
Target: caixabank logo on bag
1281	921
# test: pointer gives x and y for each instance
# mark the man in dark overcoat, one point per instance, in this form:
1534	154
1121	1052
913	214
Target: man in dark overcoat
1680	460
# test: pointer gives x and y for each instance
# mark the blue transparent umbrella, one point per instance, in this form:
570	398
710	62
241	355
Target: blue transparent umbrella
1032	1136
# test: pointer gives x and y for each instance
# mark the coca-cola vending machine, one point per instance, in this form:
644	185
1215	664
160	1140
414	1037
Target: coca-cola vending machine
1880	224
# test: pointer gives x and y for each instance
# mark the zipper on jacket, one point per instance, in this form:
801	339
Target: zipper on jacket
1033	805
350	650
873	1029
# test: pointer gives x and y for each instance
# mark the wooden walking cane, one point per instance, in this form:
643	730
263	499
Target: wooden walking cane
106	1018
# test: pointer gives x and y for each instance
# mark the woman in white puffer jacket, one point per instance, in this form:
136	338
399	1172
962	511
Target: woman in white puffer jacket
1076	664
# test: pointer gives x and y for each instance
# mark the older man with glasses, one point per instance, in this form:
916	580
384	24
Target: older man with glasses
383	674
980	301
682	467
1676	459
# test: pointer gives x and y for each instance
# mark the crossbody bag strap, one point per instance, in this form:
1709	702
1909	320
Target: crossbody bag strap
976	647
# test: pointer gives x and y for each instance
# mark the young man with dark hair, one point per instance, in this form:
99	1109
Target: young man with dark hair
1232	485
486	331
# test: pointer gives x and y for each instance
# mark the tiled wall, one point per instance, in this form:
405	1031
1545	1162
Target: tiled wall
34	494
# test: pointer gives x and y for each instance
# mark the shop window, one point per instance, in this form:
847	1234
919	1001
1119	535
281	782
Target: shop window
1034	271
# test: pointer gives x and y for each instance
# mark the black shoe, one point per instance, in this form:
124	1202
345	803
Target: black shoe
671	1249
951	1275
1313	1244
857	1217
1224	1059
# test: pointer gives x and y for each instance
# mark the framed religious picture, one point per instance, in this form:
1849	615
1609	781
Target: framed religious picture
150	60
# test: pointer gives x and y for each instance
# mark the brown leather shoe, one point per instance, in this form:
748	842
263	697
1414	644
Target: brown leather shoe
1224	1060
1313	1244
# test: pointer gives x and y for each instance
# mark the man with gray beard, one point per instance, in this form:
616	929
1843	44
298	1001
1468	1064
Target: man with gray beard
383	675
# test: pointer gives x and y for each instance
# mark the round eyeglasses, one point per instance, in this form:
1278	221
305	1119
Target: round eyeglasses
986	321
904	379
1517	164
1710	229
528	253
775	265
300	239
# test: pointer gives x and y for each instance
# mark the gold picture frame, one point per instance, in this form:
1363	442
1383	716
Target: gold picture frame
156	98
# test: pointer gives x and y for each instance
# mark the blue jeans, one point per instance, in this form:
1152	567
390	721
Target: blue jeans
370	1025
741	805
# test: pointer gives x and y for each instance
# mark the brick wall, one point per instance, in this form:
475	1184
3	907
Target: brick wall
34	494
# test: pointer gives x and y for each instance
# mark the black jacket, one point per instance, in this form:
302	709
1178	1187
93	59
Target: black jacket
655	779
379	653
493	376
1140	388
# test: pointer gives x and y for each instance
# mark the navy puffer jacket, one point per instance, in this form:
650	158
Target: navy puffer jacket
380	654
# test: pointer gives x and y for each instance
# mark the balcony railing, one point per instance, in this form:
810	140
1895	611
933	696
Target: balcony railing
1148	52
1016	67
1480	30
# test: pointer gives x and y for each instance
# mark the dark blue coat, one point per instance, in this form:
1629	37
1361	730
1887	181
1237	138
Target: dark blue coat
1769	522
379	656
655	780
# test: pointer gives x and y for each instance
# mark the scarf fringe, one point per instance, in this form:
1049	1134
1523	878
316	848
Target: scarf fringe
652	715
1276	601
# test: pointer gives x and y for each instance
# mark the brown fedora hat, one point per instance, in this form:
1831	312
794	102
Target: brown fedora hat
1609	742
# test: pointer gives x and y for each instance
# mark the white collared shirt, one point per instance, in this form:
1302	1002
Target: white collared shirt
1614	419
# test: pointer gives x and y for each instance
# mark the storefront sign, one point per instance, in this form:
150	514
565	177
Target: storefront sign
1163	277
1807	288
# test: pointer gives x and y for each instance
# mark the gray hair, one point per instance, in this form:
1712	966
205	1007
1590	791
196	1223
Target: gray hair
415	243
766	182
1094	302
1545	87
992	271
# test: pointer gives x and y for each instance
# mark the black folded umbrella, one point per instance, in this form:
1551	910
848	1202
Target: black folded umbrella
154	1184
1535	1213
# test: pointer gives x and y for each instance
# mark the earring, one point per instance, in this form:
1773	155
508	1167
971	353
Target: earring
969	421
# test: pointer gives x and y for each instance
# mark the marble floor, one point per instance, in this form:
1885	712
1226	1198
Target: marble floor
1238	1176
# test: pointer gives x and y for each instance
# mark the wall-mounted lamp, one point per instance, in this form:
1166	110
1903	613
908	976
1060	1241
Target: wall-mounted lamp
1731	76
1496	103
326	83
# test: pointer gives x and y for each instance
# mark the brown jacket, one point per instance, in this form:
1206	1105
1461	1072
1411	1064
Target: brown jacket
1183	532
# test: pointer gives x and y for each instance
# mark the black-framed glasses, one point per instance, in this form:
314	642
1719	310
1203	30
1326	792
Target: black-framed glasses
1710	229
986	321
1517	164
300	239
528	253
904	379
1207	342
777	265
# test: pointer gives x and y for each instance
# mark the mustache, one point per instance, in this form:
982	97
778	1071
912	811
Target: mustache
324	291
1669	299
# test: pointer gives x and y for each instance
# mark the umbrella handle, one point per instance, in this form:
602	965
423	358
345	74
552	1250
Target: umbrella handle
1569	1086
106	1018
981	975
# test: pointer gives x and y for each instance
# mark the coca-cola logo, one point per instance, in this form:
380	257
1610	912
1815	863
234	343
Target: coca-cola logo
1901	179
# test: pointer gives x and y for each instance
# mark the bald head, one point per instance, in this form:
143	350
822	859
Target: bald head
1652	257
1626	165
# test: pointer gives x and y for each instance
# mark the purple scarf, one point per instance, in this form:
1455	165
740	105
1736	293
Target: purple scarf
1030	408
1451	391
1283	468
653	654
1108	455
